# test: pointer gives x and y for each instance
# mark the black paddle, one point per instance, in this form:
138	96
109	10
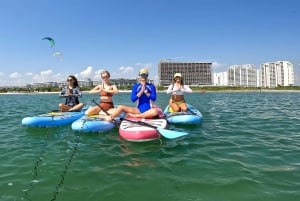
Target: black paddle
101	107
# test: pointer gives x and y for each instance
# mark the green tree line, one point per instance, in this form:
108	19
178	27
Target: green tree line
159	88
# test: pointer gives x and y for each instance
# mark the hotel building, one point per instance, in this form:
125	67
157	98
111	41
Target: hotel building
220	79
242	75
194	73
279	73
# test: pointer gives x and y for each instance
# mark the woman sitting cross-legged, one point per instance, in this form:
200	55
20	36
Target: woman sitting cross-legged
71	93
106	90
144	94
177	89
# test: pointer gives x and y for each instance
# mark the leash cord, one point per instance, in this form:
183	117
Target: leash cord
36	169
64	173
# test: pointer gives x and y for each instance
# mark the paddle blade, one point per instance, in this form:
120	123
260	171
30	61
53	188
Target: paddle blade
170	134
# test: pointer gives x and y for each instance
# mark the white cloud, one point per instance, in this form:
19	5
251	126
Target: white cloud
43	76
46	73
21	79
87	73
126	69
126	72
15	75
58	77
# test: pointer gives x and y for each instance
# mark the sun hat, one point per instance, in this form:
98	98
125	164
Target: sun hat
177	75
143	71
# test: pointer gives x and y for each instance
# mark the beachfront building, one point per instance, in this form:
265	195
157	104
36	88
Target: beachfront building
120	82
278	73
194	73
258	78
242	75
220	79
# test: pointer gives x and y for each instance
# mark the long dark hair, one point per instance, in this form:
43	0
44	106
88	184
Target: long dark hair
181	81
75	80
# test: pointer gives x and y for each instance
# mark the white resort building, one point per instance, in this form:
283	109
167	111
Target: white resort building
220	79
279	73
242	75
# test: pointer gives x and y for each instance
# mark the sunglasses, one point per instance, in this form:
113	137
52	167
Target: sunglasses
68	80
104	77
144	75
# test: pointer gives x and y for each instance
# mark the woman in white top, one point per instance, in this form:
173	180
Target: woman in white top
177	89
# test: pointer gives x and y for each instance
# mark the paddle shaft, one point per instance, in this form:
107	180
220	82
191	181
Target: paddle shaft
101	107
141	122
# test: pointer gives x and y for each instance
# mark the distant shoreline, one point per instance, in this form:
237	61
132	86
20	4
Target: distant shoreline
164	91
55	92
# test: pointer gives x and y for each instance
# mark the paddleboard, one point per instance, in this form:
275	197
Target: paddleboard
192	116
94	123
52	119
136	132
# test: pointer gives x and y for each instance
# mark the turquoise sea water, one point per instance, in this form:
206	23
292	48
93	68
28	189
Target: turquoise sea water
246	148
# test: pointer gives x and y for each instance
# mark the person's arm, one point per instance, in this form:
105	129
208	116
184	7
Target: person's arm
63	93
77	92
137	91
152	93
96	89
170	89
113	89
187	89
134	93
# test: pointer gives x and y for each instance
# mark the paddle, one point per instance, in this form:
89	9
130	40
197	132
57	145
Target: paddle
101	107
164	132
113	121
116	120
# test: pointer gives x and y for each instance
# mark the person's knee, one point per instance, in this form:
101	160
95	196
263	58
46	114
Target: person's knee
184	109
154	112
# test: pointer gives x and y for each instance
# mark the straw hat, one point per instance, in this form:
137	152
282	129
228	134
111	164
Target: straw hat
177	75
144	71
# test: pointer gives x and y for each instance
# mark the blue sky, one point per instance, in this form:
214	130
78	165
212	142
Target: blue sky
123	36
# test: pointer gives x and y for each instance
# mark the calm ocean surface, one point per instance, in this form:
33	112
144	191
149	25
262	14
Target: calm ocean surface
247	148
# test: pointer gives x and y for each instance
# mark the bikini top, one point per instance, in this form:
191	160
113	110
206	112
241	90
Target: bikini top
104	93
